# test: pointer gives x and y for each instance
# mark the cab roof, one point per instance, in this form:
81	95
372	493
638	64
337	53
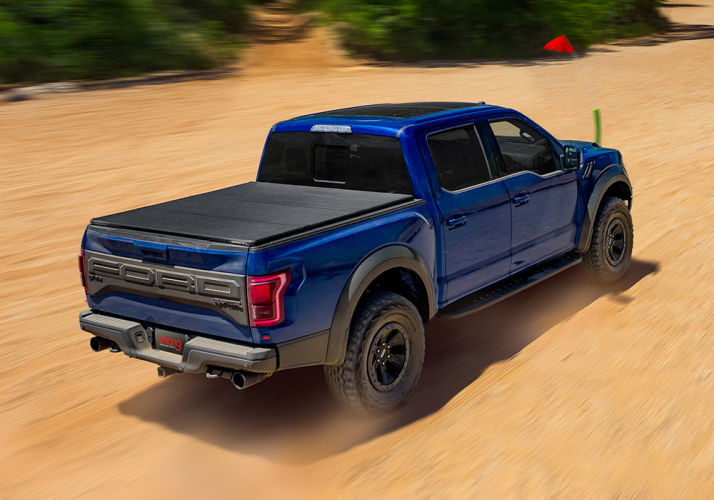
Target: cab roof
380	119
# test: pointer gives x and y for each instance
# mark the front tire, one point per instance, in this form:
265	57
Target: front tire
610	250
385	355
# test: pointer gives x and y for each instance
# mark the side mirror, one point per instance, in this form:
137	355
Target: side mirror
571	158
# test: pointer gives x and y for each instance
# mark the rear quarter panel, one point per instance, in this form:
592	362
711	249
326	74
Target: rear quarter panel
321	266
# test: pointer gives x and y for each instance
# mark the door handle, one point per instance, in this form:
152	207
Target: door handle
456	221
521	199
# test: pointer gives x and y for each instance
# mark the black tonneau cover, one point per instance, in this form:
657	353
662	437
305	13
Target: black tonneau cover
254	213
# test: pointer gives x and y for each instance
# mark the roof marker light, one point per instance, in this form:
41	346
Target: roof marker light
340	129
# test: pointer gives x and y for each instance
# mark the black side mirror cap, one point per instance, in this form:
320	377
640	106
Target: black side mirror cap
572	158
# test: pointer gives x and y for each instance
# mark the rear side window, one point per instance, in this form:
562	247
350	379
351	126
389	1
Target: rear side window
348	161
459	158
523	147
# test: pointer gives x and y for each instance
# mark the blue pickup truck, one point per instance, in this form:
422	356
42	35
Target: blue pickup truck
363	224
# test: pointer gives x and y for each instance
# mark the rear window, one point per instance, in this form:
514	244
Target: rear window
348	161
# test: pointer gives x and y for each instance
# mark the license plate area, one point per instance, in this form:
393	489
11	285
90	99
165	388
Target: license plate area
168	341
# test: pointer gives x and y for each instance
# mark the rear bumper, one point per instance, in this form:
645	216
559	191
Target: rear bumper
198	354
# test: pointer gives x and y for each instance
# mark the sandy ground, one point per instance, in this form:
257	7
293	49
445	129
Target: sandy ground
568	389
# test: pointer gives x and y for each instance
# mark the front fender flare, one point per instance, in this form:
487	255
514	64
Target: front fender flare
610	176
384	259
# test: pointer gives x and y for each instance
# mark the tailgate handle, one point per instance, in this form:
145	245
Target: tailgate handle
152	251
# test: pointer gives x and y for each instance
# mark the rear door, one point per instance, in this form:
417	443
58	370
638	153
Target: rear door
543	196
474	207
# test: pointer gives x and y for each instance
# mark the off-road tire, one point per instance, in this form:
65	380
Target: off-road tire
613	215
357	385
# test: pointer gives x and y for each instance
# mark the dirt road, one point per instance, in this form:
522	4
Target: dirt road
568	389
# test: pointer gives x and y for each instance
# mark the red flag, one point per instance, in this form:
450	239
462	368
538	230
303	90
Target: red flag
559	44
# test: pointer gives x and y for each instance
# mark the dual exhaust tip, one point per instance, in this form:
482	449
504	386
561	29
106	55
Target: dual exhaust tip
239	378
99	344
243	380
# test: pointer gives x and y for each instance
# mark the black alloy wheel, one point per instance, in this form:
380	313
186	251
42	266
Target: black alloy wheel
388	357
615	241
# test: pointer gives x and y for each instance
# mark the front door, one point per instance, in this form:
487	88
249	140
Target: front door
543	195
475	212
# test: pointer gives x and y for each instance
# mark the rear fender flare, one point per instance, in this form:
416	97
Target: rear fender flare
610	176
384	259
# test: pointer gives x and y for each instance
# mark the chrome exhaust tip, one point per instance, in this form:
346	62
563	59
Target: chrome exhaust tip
242	380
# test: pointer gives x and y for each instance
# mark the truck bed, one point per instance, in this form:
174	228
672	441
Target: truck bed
254	213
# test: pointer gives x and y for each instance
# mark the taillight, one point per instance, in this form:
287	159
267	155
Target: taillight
82	274
266	298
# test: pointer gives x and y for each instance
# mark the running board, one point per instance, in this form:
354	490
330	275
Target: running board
506	288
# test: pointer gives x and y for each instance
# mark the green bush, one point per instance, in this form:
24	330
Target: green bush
43	40
458	29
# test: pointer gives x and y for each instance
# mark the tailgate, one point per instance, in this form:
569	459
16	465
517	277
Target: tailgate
181	283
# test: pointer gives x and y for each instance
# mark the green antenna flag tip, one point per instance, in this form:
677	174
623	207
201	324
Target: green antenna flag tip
598	127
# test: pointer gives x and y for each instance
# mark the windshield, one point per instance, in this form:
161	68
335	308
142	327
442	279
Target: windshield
347	161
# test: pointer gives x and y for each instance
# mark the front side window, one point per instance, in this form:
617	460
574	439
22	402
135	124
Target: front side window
458	158
522	147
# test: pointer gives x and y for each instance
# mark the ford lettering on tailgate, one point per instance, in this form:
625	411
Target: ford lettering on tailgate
222	292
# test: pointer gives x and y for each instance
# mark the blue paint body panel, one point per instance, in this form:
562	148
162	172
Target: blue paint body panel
170	314
545	226
496	239
227	261
322	265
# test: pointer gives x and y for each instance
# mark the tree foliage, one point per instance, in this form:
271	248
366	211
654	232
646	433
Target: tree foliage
457	29
42	40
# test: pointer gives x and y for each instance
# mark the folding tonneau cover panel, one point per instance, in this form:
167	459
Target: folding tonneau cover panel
253	213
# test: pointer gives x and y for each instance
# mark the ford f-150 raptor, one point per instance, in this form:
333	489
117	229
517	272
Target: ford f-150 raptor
362	225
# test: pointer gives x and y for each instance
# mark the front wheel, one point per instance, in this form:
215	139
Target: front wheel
610	250
385	355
